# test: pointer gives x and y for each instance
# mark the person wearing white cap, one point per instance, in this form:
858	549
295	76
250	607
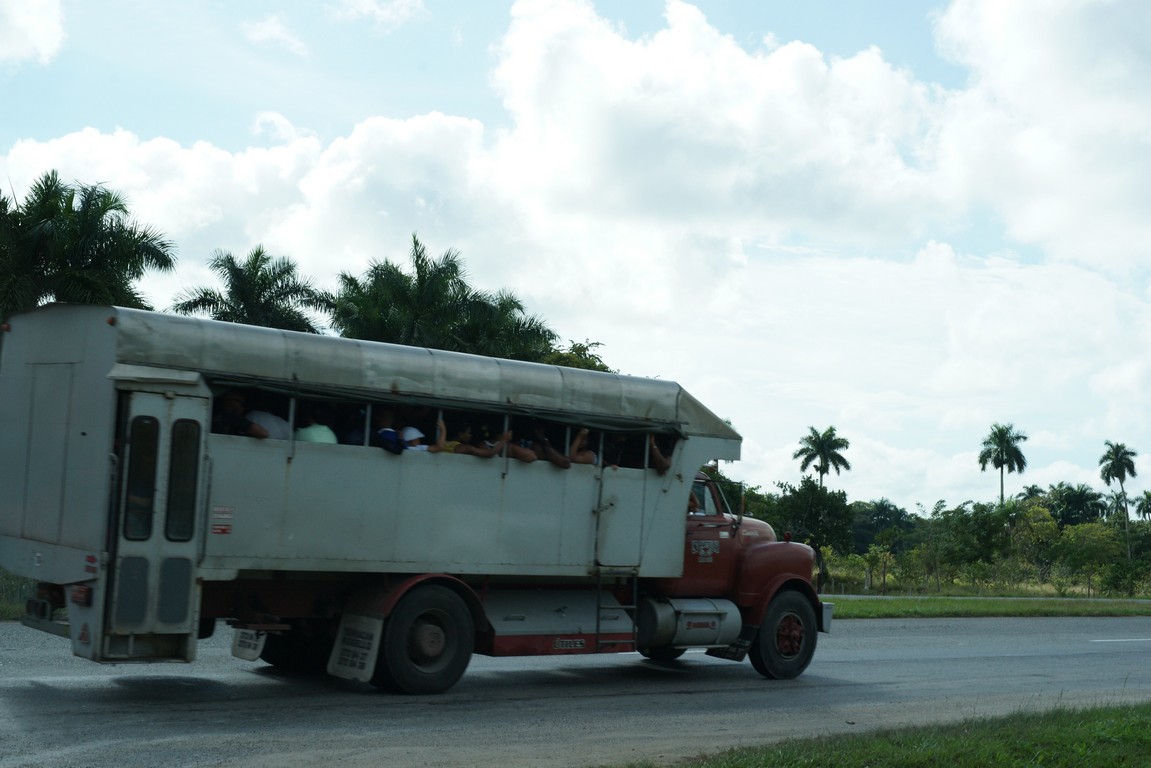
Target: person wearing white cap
412	437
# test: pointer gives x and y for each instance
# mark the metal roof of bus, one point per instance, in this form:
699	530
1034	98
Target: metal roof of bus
353	368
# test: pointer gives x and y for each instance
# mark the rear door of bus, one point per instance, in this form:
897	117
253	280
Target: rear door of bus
154	605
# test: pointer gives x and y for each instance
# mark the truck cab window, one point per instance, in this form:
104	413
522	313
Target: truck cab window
701	502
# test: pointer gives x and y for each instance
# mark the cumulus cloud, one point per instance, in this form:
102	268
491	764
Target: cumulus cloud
31	30
780	229
201	197
380	183
1053	131
688	123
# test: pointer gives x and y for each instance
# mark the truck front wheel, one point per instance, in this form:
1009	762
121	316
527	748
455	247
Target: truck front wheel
785	643
427	642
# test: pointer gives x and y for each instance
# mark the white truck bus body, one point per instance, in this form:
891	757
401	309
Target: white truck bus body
143	527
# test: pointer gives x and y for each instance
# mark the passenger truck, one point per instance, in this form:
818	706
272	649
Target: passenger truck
147	518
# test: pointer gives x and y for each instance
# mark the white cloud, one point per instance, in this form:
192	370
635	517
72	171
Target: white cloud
387	13
273	30
31	30
687	124
782	231
1054	129
201	197
375	187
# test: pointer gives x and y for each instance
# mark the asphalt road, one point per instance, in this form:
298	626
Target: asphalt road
56	710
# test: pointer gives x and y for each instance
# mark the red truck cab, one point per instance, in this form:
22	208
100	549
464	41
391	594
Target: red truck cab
739	559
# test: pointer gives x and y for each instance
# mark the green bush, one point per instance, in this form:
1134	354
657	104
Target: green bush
13	592
1125	578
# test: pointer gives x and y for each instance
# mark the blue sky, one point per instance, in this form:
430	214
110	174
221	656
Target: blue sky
157	69
909	220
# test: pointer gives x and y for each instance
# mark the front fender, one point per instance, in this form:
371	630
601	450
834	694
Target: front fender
768	568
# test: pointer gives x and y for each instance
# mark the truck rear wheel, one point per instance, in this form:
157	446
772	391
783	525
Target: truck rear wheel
427	642
785	643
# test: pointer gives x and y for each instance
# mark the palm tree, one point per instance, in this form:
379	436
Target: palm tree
1001	450
260	290
823	450
367	308
75	244
886	514
497	325
1030	492
1113	504
418	309
1143	505
20	286
1118	463
434	306
1074	505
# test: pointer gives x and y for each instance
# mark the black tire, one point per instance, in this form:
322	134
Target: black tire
300	649
205	629
427	642
785	643
662	653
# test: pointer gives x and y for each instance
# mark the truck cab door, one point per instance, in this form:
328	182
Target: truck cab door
711	548
153	611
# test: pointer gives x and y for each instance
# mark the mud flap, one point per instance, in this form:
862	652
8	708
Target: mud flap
357	647
737	651
248	644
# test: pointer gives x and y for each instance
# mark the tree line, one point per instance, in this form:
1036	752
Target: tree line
1057	539
79	243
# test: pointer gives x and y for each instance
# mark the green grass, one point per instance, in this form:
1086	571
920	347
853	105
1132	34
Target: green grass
1063	738
945	607
1071	738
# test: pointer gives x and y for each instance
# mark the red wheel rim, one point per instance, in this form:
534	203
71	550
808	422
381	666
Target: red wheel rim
789	636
